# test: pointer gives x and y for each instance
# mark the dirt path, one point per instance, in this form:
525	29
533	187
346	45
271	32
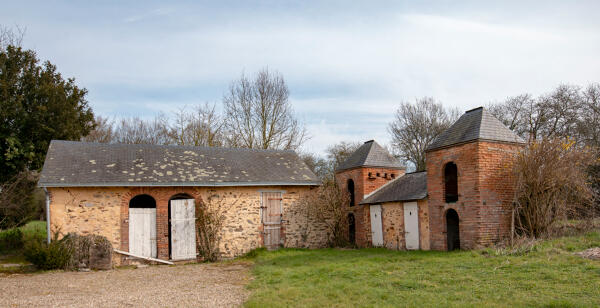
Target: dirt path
197	285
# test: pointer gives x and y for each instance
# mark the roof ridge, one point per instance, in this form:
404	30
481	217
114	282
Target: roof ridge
172	146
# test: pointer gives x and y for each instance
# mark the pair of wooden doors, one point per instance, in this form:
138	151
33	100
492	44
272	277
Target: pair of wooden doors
271	213
142	230
411	225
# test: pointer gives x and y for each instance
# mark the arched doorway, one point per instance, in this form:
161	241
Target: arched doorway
351	229
452	230
182	227
351	192
142	226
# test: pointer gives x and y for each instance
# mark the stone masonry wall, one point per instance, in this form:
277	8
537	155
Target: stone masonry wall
105	211
364	185
484	193
392	215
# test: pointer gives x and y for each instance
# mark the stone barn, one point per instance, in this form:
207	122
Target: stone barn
462	201
143	198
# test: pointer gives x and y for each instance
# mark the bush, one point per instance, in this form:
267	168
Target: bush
209	220
11	239
88	251
55	255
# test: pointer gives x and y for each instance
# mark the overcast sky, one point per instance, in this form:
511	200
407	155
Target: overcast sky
347	65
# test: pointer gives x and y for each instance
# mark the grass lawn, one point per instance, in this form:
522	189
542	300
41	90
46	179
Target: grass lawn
549	275
33	230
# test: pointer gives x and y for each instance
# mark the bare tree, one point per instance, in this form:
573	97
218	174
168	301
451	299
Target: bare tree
259	114
589	125
20	200
203	126
138	131
103	131
551	184
556	114
416	126
10	36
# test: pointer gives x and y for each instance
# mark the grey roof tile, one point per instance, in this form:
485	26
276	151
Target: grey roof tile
71	163
475	124
370	154
411	186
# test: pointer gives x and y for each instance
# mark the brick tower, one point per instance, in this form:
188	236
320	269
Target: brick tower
468	182
367	169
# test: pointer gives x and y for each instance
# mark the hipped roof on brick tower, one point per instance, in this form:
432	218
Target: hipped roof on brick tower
475	124
370	154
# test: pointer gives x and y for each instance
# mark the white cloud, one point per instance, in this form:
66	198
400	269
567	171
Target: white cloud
347	68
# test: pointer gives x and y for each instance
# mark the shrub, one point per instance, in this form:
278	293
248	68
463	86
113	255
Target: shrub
20	200
55	255
552	184
328	207
11	239
88	251
209	220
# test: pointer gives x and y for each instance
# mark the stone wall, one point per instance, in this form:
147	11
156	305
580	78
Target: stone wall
392	216
484	193
105	211
364	185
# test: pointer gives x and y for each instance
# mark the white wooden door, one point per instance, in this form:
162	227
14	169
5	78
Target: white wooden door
183	229
376	227
411	225
142	232
271	218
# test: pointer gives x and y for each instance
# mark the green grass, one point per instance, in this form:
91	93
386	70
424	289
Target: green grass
548	276
32	231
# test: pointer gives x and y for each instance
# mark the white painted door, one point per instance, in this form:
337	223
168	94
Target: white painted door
271	219
142	232
411	225
183	229
376	227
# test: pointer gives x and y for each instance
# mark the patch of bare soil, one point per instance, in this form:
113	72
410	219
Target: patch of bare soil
592	253
193	285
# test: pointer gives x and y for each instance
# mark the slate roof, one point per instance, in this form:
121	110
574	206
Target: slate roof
71	163
475	124
409	187
370	154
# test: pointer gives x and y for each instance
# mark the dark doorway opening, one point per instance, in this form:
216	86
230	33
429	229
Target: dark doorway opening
351	229
176	197
451	183
351	191
452	230
142	202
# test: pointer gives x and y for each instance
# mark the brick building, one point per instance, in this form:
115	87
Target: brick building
144	198
463	199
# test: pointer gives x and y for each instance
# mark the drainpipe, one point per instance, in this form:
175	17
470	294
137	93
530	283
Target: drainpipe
47	215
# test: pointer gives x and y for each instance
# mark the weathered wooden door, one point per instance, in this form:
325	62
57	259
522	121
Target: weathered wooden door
142	232
411	225
183	229
376	227
271	219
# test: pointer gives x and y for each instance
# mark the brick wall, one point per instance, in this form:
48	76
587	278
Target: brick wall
484	193
363	185
105	211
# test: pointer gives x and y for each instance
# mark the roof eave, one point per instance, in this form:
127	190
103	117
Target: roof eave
370	166
474	140
387	201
